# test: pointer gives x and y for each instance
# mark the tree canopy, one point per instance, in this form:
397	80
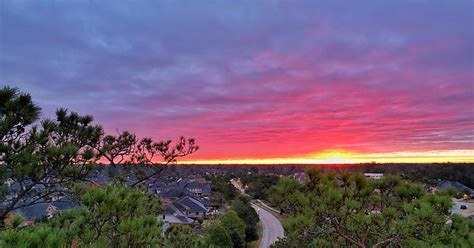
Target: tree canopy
113	216
48	158
51	155
349	210
241	205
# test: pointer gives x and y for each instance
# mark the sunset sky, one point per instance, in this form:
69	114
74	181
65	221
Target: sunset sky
257	81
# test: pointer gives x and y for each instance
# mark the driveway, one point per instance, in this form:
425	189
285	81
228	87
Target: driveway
272	228
464	212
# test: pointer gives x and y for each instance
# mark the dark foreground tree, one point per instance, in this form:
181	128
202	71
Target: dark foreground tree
182	236
241	205
118	149
126	149
38	162
169	153
217	236
114	216
348	210
235	226
41	161
223	191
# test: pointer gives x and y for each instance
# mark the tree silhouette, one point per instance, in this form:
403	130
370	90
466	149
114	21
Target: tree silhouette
49	157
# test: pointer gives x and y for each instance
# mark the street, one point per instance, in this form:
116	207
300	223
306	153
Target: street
272	228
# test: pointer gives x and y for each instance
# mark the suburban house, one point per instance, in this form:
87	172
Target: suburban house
169	195
172	216
185	198
199	189
192	207
44	210
459	187
374	175
455	185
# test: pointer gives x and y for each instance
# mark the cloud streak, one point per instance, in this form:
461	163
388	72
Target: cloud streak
253	80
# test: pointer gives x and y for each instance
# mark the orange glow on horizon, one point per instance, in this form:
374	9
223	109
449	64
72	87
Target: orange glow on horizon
340	156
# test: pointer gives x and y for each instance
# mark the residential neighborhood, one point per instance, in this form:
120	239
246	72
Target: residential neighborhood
186	195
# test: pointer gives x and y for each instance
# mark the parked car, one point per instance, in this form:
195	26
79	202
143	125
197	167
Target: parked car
463	207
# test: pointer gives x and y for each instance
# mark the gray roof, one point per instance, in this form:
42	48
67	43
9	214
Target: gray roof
175	193
168	210
177	219
187	203
15	187
456	185
65	205
34	211
205	188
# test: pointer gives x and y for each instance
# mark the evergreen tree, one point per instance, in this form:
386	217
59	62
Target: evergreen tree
56	153
241	205
351	211
113	216
181	236
235	226
218	236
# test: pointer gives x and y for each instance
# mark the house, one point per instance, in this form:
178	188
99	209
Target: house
199	189
177	219
172	216
185	196
100	179
34	212
375	176
455	185
64	205
9	182
299	176
193	186
171	194
191	207
238	184
59	196
201	180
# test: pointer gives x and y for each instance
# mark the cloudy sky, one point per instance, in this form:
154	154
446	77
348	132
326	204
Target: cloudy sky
255	79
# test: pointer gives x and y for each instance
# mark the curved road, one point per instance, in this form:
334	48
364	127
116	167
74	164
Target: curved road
272	228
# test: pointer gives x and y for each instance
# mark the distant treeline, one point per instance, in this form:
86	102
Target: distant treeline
426	172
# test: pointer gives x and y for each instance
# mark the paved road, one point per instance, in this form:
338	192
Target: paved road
272	228
464	212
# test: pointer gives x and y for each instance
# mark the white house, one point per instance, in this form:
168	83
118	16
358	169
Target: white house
374	175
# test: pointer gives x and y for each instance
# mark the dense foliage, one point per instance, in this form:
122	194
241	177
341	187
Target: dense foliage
182	236
120	216
53	155
239	222
428	173
59	154
235	227
47	159
218	236
113	216
222	189
242	206
462	173
348	210
258	185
